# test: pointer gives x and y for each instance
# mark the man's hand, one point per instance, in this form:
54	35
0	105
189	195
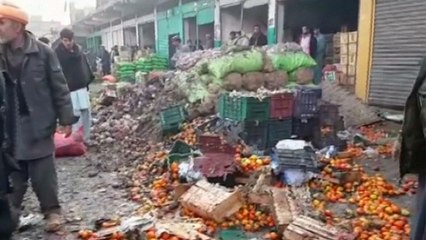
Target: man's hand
67	131
396	150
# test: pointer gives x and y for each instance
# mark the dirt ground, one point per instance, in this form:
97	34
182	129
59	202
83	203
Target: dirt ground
86	195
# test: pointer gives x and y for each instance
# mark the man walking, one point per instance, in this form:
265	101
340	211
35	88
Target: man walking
78	75
41	98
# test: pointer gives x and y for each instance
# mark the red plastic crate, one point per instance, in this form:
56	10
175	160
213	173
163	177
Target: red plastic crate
282	106
213	144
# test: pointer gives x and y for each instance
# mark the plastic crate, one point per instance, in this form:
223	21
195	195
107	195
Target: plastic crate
255	134
171	118
279	130
306	104
304	159
214	144
243	108
329	114
282	105
306	129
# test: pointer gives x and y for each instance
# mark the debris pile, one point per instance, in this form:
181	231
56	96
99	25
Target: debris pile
268	164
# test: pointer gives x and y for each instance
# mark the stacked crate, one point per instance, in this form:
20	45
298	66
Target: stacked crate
348	56
263	122
306	113
336	48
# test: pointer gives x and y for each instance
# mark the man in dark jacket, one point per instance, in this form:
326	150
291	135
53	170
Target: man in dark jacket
8	217
42	99
412	149
106	62
258	39
78	75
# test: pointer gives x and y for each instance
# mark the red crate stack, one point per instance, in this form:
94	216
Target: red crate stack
282	106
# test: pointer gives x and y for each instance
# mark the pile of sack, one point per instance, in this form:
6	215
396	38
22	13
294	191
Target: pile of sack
126	72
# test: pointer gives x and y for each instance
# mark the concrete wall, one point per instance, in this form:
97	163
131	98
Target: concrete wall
255	16
130	36
230	21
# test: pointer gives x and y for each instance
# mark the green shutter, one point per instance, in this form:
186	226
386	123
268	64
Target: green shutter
205	16
163	38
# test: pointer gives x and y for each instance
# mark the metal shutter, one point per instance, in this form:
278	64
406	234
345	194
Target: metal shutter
399	45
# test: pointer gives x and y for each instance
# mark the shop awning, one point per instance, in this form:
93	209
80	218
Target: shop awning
254	3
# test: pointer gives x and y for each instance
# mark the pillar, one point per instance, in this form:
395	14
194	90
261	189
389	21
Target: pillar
217	25
272	12
280	21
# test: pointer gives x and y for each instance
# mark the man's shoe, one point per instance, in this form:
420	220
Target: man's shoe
53	223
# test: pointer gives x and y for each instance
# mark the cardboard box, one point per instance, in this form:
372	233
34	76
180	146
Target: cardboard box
344	49
212	201
352	48
344	38
344	60
352	59
353	37
349	70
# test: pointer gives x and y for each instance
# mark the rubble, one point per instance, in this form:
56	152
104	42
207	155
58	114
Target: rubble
202	179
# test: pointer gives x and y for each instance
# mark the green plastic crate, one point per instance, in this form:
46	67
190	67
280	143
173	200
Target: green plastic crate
172	118
255	134
279	130
243	108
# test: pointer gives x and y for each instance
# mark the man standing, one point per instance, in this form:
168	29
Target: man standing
41	98
209	42
78	75
258	39
241	39
320	54
106	62
179	49
412	149
308	42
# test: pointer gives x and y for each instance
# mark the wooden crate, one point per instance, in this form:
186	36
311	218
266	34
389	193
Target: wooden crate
352	48
282	208
344	38
353	37
212	201
303	228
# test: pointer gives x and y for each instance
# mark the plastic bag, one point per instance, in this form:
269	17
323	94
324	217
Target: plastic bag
302	76
244	62
249	61
72	146
291	61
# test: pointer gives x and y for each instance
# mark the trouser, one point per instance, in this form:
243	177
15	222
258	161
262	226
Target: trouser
8	219
84	121
44	181
418	230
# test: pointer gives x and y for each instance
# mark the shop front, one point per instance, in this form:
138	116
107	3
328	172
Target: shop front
398	47
191	21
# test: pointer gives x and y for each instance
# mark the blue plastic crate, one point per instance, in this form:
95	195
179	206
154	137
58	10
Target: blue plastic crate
306	104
